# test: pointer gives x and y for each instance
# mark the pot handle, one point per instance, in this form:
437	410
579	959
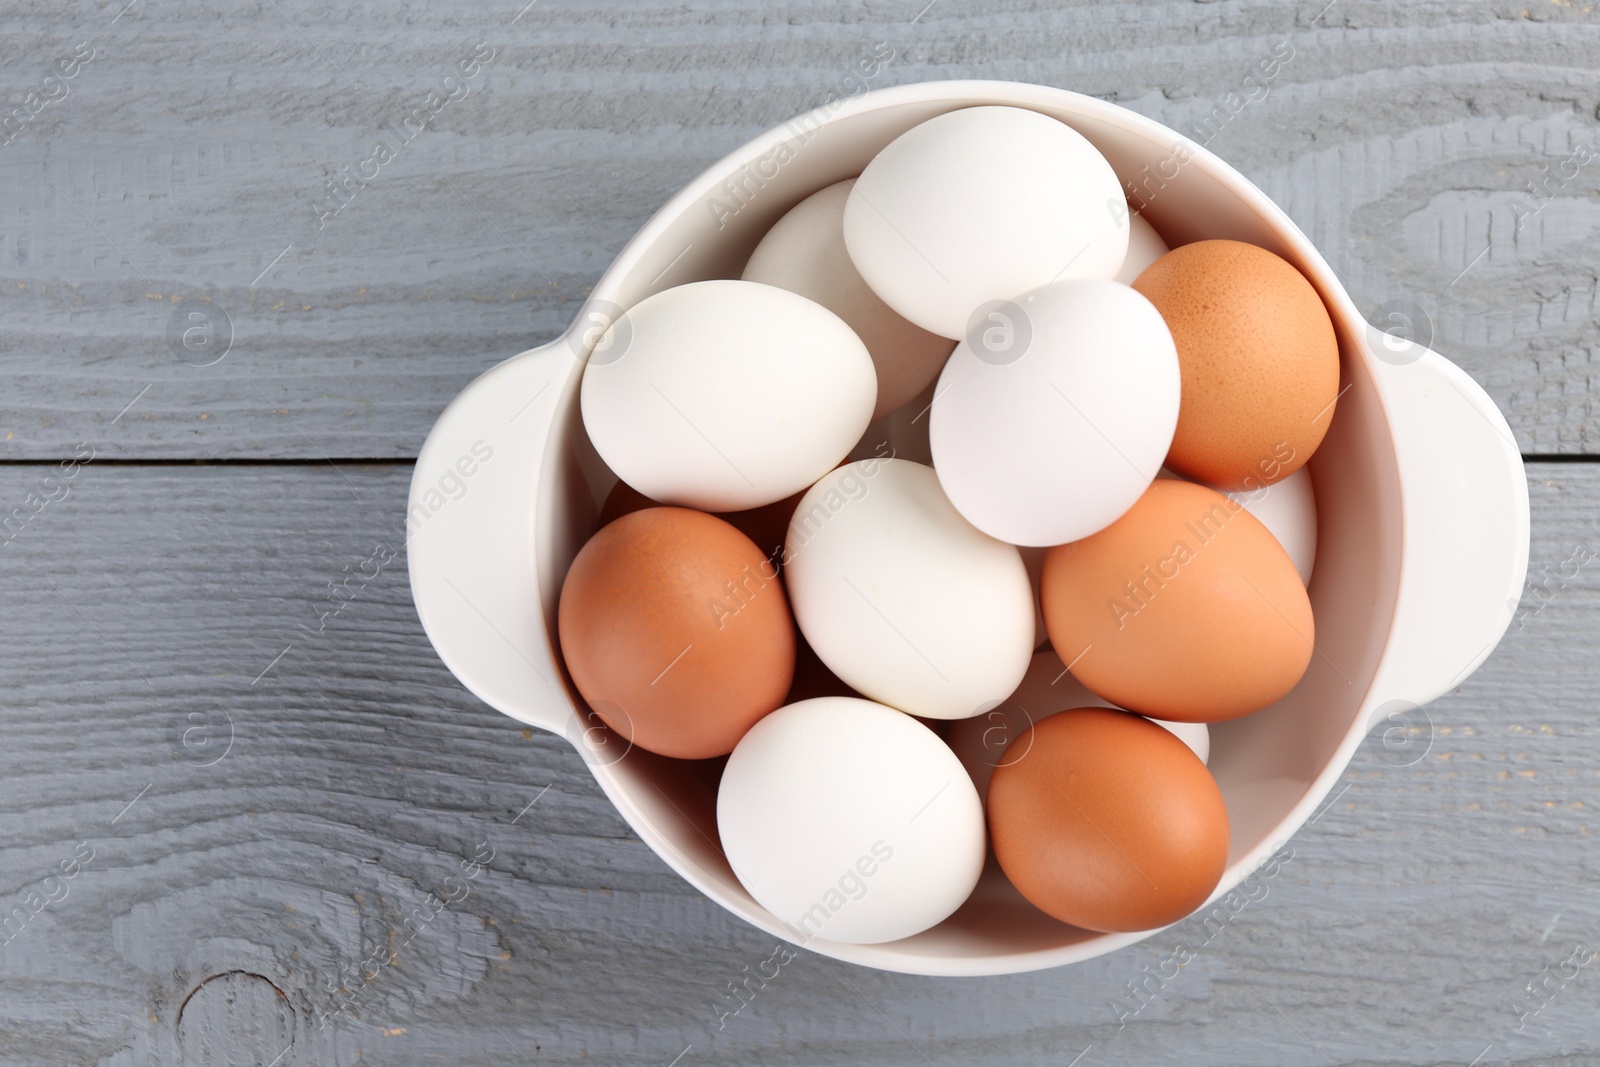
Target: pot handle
470	531
1464	523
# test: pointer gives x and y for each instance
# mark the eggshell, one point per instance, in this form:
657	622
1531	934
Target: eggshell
1196	736
1053	423
1186	608
804	253
1259	359
766	525
1288	509
726	395
1145	246
983	742
1108	822
676	631
981	204
901	597
850	821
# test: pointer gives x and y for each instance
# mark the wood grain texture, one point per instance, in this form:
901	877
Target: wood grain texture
185	169
260	826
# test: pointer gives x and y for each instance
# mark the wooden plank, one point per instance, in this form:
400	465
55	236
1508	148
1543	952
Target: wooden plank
261	804
184	170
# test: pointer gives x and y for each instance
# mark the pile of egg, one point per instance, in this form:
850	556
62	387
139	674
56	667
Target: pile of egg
1016	647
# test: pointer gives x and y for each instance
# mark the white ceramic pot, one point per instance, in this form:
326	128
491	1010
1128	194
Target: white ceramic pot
1421	496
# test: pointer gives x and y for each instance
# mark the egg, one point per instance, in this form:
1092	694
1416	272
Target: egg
1056	419
983	742
1259	360
850	821
1145	246
902	598
766	525
726	395
804	253
979	205
1196	736
1108	822
676	631
1186	608
1288	509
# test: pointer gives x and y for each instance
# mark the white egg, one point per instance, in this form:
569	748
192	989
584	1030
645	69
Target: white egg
978	205
1194	734
1054	423
804	253
850	821
983	742
1289	509
726	395
1145	246
901	597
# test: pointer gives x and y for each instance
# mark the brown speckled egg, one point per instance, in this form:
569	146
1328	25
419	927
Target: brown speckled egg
676	630
1185	609
1258	360
1108	822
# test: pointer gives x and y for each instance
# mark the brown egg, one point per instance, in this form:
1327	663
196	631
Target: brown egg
1185	609
767	525
1108	822
1257	358
676	630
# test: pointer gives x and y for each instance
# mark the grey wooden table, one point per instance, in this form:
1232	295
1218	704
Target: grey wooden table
219	805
